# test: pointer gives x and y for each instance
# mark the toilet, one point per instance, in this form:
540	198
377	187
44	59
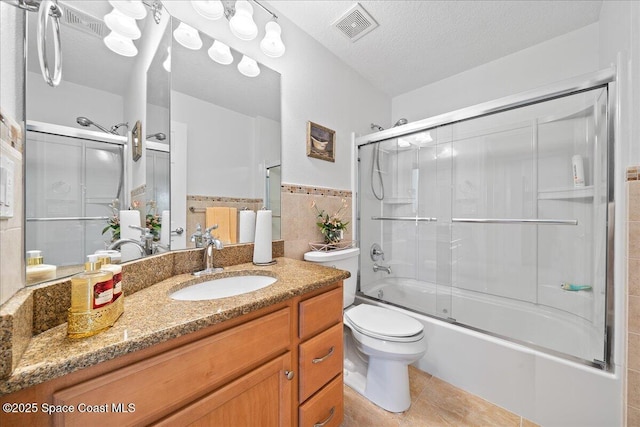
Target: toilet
379	343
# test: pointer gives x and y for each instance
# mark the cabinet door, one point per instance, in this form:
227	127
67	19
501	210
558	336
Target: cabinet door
262	397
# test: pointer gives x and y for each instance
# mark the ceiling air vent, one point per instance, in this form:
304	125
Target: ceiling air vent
355	23
83	21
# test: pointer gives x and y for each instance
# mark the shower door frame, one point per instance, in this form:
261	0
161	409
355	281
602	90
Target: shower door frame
601	79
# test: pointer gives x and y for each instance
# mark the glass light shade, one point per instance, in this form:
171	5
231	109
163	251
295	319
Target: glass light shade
241	24
220	53
272	45
187	36
167	62
120	45
248	67
210	9
122	24
132	8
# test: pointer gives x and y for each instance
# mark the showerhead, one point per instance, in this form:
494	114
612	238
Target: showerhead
159	136
83	121
401	122
376	127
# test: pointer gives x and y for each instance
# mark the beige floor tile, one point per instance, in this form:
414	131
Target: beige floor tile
435	403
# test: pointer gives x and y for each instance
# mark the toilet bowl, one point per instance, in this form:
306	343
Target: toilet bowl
380	343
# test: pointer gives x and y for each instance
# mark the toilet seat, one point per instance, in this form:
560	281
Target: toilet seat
384	324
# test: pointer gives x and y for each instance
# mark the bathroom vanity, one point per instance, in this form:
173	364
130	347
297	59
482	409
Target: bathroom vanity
271	357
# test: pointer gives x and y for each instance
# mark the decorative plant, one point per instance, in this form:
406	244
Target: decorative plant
153	221
113	223
331	226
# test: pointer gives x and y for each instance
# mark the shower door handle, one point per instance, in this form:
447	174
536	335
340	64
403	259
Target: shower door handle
404	218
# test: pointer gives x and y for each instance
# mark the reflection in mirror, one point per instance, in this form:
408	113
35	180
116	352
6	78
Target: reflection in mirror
77	174
229	125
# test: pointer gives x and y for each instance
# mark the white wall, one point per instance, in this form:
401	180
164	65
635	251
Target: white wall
63	104
316	86
563	57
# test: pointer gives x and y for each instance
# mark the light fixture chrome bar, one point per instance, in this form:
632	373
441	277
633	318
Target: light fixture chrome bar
517	221
72	218
267	10
403	218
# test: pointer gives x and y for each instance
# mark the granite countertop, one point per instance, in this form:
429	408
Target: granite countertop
152	317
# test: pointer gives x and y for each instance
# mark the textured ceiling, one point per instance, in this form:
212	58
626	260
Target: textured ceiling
420	42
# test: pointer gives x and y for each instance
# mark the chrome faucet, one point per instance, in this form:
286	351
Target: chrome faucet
145	244
118	244
210	243
377	267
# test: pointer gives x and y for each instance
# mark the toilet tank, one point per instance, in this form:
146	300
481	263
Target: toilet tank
345	259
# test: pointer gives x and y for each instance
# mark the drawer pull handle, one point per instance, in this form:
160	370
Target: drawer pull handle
323	423
289	374
322	359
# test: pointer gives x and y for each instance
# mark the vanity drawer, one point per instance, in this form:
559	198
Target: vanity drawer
320	360
161	384
320	312
325	408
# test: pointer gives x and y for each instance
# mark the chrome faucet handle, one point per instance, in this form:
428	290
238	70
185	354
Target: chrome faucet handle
208	230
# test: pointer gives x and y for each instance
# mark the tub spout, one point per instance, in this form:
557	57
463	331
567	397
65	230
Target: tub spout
377	267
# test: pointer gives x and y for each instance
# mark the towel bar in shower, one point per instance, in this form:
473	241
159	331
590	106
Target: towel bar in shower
404	218
72	218
517	221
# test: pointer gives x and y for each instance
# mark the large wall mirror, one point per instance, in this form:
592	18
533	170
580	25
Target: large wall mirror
79	172
226	128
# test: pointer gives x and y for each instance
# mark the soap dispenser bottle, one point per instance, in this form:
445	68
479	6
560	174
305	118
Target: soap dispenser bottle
117	274
90	291
37	270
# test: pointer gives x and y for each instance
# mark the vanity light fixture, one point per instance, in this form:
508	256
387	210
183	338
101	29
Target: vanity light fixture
220	52
187	36
241	23
132	8
248	67
210	9
122	24
120	45
272	45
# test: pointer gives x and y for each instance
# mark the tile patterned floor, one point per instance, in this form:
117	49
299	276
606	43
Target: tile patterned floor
434	403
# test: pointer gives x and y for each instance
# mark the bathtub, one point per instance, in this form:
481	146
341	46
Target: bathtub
542	387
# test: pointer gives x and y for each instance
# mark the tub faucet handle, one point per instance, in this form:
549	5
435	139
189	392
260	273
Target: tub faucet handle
376	252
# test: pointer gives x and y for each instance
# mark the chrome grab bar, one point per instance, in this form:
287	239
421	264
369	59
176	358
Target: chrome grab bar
404	218
49	9
72	218
517	221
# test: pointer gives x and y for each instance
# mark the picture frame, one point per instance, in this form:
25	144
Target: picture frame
321	142
136	141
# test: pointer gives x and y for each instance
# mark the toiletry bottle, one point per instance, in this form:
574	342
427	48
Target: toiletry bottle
37	270
91	289
578	170
117	274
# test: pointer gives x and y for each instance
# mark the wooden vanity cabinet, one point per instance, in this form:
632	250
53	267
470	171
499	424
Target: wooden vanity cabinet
320	360
277	366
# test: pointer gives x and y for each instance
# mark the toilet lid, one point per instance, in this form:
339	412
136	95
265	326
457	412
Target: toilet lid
382	323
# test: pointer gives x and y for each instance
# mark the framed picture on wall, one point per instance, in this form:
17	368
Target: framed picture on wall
321	142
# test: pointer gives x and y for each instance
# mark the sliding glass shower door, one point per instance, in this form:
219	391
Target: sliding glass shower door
497	222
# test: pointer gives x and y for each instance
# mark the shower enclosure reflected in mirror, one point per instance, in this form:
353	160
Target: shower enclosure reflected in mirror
79	170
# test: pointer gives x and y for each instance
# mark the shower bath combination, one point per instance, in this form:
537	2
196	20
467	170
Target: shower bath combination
481	222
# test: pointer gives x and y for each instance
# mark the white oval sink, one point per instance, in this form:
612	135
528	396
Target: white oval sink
222	288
